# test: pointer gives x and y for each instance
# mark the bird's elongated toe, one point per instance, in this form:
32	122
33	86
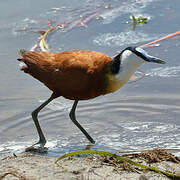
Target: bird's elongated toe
37	149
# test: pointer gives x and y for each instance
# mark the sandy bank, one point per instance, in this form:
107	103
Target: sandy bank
38	167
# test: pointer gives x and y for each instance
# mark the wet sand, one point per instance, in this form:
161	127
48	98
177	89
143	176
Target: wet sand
38	167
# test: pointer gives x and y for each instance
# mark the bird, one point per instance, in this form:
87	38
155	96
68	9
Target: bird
80	75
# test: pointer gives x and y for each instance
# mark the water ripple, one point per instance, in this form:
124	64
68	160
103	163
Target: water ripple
124	123
173	71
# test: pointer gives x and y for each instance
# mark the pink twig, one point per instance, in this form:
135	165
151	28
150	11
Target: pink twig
161	39
50	23
35	47
137	79
89	18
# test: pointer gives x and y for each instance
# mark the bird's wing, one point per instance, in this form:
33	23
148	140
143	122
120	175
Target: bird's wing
88	61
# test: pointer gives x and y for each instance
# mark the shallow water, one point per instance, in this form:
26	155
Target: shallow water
143	114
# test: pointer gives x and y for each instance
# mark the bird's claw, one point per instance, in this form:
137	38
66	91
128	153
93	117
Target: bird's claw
89	146
37	148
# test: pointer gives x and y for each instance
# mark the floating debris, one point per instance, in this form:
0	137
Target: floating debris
139	20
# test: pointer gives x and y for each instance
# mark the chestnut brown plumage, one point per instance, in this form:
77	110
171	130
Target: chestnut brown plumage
81	75
75	75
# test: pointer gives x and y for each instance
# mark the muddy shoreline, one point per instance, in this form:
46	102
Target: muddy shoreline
39	167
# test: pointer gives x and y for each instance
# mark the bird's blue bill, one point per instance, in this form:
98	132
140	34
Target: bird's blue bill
155	60
149	58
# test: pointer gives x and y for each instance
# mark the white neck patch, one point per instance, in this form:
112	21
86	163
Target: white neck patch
129	64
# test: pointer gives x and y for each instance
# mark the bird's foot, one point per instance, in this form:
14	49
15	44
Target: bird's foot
89	146
37	148
40	150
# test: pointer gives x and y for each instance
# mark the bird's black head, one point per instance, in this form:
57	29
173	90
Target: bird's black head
144	55
133	55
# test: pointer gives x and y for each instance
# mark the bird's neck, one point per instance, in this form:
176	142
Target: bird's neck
127	69
121	75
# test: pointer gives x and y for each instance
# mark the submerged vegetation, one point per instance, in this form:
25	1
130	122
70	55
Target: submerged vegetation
138	20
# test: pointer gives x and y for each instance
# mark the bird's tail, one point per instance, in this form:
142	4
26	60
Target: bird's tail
34	60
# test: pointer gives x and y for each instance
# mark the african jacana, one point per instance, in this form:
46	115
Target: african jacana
81	75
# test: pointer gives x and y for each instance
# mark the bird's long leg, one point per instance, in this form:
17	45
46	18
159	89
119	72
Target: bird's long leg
73	118
42	139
